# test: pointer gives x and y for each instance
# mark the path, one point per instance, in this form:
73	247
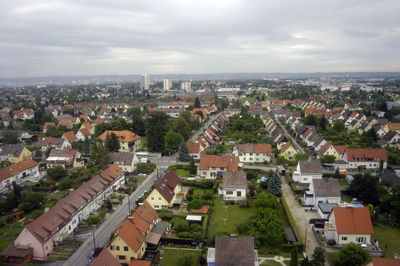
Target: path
294	142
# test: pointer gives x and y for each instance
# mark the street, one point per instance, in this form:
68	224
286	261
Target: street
294	142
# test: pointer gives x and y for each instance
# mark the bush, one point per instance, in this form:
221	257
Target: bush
93	220
331	242
166	215
145	168
184	235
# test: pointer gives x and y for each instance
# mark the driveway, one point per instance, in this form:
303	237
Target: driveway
301	218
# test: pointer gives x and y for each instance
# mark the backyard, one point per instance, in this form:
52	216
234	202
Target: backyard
388	238
173	257
182	170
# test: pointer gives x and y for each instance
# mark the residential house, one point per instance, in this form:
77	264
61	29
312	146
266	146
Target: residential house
390	139
105	258
390	178
47	125
88	126
21	172
321	191
55	143
288	151
307	171
253	153
392	126
134	234
340	150
233	250
212	166
349	225
14	153
164	191
82	134
194	150
68	122
366	158
70	136
45	232
68	159
328	150
128	140
234	186
127	161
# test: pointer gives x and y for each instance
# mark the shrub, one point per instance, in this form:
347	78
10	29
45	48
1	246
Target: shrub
93	220
184	235
331	242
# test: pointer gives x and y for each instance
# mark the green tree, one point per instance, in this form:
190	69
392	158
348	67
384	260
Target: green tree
30	201
275	185
367	188
352	255
10	137
66	183
100	154
156	131
185	260
182	127
100	128
318	257
57	173
197	103
327	159
294	258
193	167
183	152
172	141
310	120
338	126
112	142
180	225
136	116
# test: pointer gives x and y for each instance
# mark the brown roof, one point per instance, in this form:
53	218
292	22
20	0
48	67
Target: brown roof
98	121
105	258
230	163
140	263
85	132
234	251
47	141
310	167
286	146
202	210
46	225
16	168
326	187
382	262
18	252
351	220
70	136
366	155
123	135
87	125
130	234
255	148
193	147
340	148
146	212
393	126
166	185
234	179
324	148
47	124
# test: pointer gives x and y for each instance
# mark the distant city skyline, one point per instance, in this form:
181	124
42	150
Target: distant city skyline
84	38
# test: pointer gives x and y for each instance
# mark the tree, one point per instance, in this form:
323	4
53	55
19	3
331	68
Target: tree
57	173
318	257
197	103
185	260
183	127
180	225
86	145
294	258
99	153
322	123
338	126
156	131
172	141
112	142
310	120
275	185
193	168
352	255
30	201
327	159
100	128
183	152
10	137
136	116
391	202
366	188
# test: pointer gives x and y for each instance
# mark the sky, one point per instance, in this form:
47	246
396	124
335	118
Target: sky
119	37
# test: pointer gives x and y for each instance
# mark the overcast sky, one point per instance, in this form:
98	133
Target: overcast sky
94	37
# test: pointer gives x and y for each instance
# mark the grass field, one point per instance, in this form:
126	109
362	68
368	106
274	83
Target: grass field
171	257
182	170
233	214
388	236
8	233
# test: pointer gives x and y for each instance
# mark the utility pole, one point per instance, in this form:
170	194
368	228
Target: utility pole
129	205
305	239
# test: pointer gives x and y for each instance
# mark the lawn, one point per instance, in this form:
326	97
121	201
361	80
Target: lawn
182	170
388	236
225	217
172	257
8	233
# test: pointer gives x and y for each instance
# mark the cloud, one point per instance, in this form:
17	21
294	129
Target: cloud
72	37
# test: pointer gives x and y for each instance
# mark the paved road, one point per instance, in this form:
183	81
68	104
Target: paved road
206	124
294	142
103	232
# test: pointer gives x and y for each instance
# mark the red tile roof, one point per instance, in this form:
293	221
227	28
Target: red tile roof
16	168
202	210
340	148
350	220
382	262
105	258
230	163
393	126
286	146
366	155
70	136
123	135
193	147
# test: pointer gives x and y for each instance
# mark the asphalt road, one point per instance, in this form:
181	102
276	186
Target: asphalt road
103	232
294	142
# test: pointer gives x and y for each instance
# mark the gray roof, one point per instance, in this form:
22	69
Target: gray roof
327	207
326	187
234	179
391	178
14	149
124	158
310	167
234	251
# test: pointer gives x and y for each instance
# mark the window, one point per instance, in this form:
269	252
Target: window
159	198
239	193
114	247
361	239
344	238
121	257
156	206
152	198
126	248
229	193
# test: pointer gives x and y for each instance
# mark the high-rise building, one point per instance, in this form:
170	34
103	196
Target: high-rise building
186	86
145	82
167	84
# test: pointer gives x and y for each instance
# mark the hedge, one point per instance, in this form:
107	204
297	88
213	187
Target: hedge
290	219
